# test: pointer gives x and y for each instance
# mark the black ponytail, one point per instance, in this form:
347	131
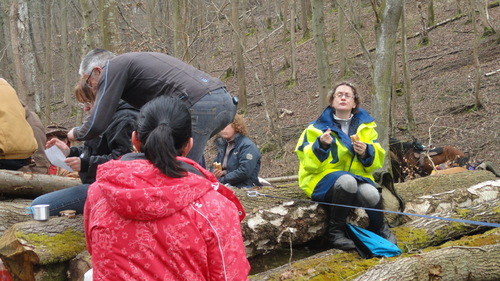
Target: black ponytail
164	128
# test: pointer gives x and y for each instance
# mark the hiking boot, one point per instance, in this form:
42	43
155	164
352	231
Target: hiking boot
384	231
379	225
337	223
337	237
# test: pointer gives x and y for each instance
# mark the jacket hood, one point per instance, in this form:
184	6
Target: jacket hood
137	190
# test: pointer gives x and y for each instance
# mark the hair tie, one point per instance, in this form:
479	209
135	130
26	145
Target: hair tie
163	124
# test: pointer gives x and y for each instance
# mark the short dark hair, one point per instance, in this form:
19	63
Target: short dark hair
164	128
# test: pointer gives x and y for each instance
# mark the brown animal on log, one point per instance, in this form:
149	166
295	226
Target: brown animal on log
409	159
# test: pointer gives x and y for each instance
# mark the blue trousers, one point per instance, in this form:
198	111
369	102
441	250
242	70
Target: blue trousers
210	115
71	198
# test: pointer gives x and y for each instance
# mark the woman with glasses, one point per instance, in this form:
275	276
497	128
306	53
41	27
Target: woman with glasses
338	153
86	158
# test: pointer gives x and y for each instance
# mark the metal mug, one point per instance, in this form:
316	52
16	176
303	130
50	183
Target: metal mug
39	212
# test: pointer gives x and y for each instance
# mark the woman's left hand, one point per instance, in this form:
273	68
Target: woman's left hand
360	148
218	173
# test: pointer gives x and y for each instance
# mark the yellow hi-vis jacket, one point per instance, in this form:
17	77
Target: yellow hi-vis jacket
320	168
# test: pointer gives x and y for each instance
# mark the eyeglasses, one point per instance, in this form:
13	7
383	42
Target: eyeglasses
88	78
346	95
85	104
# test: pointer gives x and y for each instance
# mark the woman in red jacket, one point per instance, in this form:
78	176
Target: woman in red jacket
155	215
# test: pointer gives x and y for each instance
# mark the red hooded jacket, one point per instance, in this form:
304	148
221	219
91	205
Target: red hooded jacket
143	225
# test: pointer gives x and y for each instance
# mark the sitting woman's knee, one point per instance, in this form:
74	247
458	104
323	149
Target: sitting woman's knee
347	183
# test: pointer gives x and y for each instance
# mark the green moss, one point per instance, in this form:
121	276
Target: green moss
410	239
343	266
60	247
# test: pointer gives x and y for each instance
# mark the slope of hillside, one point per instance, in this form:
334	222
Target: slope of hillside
443	77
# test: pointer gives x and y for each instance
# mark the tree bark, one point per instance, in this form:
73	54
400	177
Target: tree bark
452	263
47	67
238	51
385	31
12	212
407	90
285	215
24	61
25	185
331	264
45	243
322	62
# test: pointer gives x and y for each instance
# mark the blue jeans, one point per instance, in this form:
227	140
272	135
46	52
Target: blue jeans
210	115
71	198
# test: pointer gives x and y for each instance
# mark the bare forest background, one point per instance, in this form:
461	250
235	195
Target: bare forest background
425	69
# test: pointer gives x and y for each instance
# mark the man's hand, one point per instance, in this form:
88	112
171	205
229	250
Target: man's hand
60	144
74	162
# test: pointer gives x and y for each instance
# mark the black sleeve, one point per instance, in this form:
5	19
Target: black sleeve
112	81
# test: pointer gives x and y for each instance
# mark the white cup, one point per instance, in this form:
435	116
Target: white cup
39	212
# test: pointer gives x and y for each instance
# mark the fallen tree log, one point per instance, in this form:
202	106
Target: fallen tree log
452	263
48	245
26	185
275	219
412	239
284	216
11	212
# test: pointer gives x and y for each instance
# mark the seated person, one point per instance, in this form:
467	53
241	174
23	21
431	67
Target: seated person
38	162
17	140
237	155
61	133
338	154
168	217
84	159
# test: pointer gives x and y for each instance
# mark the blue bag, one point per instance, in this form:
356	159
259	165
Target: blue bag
369	244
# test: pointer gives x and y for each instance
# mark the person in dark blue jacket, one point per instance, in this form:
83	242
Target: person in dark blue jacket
238	156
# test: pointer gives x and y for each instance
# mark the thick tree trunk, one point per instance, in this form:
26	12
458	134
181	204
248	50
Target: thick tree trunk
452	263
25	185
386	30
12	212
284	216
44	243
276	218
322	61
331	264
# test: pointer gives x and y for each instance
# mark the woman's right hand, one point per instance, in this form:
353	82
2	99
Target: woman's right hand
60	144
326	139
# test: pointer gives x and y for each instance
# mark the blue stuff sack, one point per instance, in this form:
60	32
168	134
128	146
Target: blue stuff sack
369	244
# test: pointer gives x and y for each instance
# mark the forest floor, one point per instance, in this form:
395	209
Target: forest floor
442	80
442	85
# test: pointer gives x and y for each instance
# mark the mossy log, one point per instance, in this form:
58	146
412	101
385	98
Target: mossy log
284	216
17	184
37	246
413	239
11	212
452	263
